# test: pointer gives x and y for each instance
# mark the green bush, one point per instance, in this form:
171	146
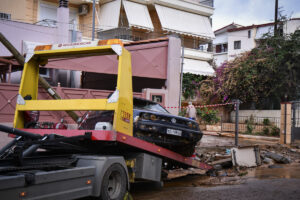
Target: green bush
266	131
182	112
208	116
266	122
249	128
275	131
249	125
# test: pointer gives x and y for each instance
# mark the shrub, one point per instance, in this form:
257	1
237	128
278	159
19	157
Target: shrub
249	125
182	112
208	116
266	122
275	131
266	131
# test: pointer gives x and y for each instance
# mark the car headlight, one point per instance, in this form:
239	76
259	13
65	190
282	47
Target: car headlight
136	118
153	117
190	124
146	116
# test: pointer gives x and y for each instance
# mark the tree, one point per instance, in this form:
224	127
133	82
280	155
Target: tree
190	85
267	74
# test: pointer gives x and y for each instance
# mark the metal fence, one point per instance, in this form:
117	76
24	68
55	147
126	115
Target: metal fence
252	125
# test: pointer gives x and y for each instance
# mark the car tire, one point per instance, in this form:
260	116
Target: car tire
185	150
114	183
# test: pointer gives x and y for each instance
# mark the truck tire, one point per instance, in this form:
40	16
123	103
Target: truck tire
114	183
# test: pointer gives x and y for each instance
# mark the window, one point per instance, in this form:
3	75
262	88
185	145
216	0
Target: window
237	44
249	34
224	48
5	16
220	48
44	72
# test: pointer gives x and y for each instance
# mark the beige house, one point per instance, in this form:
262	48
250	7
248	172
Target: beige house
129	20
44	12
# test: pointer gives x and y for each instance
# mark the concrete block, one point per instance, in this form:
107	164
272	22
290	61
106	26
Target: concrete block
246	156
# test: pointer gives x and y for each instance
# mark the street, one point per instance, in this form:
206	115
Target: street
254	189
278	181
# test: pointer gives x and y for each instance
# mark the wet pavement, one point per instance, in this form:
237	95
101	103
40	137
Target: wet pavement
253	189
269	181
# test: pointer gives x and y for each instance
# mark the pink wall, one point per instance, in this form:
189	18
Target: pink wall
148	60
9	92
17	32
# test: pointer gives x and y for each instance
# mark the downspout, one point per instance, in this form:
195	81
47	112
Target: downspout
181	76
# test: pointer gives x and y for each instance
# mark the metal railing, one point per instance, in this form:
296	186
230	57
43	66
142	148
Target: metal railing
207	2
253	125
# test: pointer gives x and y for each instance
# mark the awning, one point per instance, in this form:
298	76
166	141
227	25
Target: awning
109	15
184	23
138	15
197	67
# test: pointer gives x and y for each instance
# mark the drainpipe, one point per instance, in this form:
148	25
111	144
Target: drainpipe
181	76
63	22
94	9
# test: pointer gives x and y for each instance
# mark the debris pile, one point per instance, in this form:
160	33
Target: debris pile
231	164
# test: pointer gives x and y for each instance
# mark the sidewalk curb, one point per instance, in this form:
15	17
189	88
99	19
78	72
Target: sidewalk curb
275	139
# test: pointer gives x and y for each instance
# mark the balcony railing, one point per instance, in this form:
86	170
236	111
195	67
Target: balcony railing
125	33
207	2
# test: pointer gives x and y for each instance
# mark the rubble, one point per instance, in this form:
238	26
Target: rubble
278	158
268	160
271	156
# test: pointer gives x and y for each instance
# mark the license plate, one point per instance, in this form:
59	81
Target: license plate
174	132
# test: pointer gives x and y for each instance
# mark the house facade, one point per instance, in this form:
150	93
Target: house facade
185	26
146	19
233	40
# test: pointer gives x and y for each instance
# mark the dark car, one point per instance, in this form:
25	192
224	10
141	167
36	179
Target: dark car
153	123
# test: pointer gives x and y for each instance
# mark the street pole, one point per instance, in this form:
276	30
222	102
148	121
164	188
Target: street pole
276	17
237	108
93	31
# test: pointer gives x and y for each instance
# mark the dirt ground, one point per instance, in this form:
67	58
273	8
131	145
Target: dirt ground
194	183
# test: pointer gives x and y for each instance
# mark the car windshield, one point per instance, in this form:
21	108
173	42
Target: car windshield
148	105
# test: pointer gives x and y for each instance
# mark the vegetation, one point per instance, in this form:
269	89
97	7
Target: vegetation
264	76
208	116
191	84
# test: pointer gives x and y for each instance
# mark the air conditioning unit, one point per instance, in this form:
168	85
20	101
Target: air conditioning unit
83	9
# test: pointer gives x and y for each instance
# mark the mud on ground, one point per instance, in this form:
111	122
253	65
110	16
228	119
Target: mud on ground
214	148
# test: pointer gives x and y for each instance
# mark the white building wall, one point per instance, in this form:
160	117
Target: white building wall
246	43
291	26
221	38
220	58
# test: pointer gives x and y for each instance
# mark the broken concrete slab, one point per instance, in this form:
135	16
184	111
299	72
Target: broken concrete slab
246	156
278	158
267	160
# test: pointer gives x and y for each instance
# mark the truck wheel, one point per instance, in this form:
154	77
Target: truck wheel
114	183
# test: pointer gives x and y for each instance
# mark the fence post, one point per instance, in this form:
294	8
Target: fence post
237	108
286	123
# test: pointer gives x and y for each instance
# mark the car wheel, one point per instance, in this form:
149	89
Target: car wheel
114	183
186	150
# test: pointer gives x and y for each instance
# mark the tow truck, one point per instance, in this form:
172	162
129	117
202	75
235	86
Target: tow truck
69	164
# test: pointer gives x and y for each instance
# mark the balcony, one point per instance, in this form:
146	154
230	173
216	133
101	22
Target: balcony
197	54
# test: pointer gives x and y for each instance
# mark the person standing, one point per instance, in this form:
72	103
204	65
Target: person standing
191	111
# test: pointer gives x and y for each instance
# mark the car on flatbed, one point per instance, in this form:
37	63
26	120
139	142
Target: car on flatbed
152	123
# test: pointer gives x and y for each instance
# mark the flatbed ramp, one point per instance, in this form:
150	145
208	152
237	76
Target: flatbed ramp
111	136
